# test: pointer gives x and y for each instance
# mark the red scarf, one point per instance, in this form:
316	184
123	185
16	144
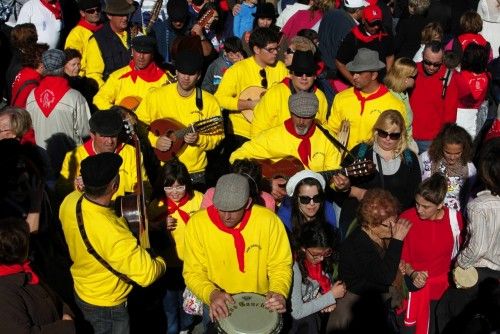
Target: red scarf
54	8
172	207
239	241
304	148
90	26
151	73
381	91
10	269
365	38
50	92
89	147
29	137
315	271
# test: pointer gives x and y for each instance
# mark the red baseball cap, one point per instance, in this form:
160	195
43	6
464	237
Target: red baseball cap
372	14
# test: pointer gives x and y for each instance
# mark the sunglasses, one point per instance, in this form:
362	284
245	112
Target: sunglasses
272	50
430	63
301	74
306	199
392	136
263	75
290	51
326	254
374	24
93	10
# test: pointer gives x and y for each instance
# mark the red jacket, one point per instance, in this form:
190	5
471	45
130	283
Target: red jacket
19	97
430	110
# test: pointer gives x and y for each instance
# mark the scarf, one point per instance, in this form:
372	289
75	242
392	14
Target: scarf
50	91
381	91
151	73
239	241
90	26
304	148
358	34
10	269
29	137
315	272
173	207
54	8
89	147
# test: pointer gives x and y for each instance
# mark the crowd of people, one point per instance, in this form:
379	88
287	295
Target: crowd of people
165	162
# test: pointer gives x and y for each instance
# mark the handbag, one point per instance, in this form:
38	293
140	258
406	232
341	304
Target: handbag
191	304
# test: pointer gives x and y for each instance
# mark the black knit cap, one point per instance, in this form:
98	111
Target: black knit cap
144	44
106	123
87	4
188	62
177	10
100	169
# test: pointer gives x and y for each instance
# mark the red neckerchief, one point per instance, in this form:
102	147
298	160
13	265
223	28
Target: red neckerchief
380	91
89	147
54	8
466	39
239	241
172	207
315	271
288	82
29	137
10	269
49	92
90	26
356	31
151	73
304	148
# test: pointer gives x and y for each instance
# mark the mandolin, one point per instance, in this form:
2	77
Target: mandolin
252	93
176	132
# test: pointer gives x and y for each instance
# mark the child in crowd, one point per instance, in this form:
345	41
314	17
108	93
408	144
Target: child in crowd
243	21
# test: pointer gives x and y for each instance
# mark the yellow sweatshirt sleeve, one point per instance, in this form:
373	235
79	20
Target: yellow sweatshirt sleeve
95	63
265	113
333	123
262	147
227	94
106	96
279	267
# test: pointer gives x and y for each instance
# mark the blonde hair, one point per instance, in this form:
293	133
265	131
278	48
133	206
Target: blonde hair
20	120
387	119
399	72
303	44
433	31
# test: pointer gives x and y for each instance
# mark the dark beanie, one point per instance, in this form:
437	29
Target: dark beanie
177	10
188	62
87	4
100	169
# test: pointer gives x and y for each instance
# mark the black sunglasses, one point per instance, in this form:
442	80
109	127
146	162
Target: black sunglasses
384	134
93	10
263	74
301	74
306	199
430	63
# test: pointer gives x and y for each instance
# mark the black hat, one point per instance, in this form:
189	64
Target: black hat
177	10
144	44
87	4
265	10
188	62
303	62
119	7
98	170
106	123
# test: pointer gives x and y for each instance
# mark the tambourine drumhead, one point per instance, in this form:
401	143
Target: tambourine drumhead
465	278
249	316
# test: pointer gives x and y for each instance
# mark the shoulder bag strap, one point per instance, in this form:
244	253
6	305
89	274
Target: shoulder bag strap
90	249
23	86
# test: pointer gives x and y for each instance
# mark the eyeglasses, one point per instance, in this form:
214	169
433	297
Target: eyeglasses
393	136
301	74
263	74
430	63
93	10
374	24
290	51
272	50
176	188
323	255
306	199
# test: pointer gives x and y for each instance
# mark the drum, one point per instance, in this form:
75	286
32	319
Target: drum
465	278
248	315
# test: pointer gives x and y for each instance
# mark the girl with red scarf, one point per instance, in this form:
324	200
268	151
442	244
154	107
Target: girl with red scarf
313	292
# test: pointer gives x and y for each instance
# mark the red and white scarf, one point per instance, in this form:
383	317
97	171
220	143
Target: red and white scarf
49	92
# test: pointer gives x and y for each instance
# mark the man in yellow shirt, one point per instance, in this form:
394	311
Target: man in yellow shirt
185	103
105	127
108	49
78	38
272	109
262	69
106	256
236	247
362	104
139	77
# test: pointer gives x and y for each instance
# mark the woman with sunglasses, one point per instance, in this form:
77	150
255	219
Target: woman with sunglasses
313	292
450	154
175	201
368	264
397	167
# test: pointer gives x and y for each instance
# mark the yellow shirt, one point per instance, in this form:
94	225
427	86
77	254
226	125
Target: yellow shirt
113	241
210	259
116	88
78	39
272	110
237	78
165	102
347	106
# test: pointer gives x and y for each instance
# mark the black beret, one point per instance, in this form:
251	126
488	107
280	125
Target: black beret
87	4
188	62
98	170
177	10
144	44
106	123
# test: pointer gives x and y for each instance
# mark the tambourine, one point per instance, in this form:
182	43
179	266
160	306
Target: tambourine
465	278
248	315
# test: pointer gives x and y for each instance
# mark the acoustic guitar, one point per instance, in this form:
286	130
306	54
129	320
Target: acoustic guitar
176	132
252	93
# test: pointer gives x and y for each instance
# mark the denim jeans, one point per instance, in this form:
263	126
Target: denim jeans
105	320
177	319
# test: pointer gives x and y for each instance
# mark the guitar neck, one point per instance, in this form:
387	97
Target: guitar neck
184	131
328	174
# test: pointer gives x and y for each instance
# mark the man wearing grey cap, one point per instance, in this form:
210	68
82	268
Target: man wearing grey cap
297	137
234	247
